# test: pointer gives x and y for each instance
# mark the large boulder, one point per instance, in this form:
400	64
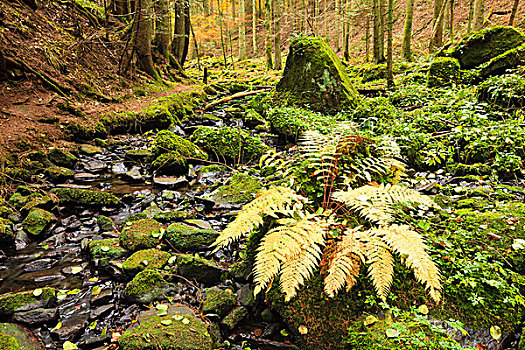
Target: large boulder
314	78
482	46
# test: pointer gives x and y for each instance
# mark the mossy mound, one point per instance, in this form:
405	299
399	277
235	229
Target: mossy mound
443	71
7	234
193	267
229	144
314	78
139	155
481	46
183	237
85	197
89	149
24	301
507	91
62	158
240	188
178	330
501	64
8	342
57	173
218	301
149	258
148	285
104	250
37	221
105	223
141	234
173	153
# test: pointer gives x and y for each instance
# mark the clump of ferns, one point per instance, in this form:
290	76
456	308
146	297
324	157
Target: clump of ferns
355	219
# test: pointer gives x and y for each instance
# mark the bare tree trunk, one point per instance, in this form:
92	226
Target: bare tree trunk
234	14
276	15
242	30
437	38
377	50
222	32
346	23
479	14
337	25
407	32
162	28
142	33
390	39
268	33
367	38
382	27
437	25
206	7
470	15
451	23
513	12
254	27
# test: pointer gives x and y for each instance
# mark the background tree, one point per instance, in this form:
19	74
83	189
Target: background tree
277	33
242	30
479	14
268	33
389	48
254	27
407	31
142	34
513	12
162	28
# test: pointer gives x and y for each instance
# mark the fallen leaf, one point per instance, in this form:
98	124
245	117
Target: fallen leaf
392	333
37	292
76	269
96	290
69	346
495	332
303	330
371	319
423	309
257	332
166	322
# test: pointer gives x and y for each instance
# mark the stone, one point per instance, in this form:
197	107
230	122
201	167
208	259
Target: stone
18	337
239	189
204	271
132	176
101	311
35	316
141	234
147	286
173	153
89	149
95	166
138	155
143	259
105	223
61	157
235	317
315	78
105	250
218	301
56	173
85	197
180	329
170	182
183	237
85	177
7	235
25	301
443	71
37	221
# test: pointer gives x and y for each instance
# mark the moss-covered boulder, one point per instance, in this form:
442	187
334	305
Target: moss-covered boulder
7	234
148	258
104	250
141	234
481	46
148	285
24	301
139	155
501	64
173	153
218	301
239	189
314	78
229	144
85	197
183	237
192	267
90	150
25	340
62	158
37	221
105	223
56	173
443	71
179	329
235	317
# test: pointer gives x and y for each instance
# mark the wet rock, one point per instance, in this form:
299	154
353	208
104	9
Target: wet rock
94	341
84	197
183	237
89	150
21	240
102	298
37	221
170	182
71	223
105	223
95	166
205	225
85	177
179	330
132	176
235	317
171	215
267	316
39	265
35	316
205	271
105	249
22	338
7	235
149	258
245	296
119	168
25	301
147	286
59	174
139	155
141	234
218	301
62	158
71	328
101	311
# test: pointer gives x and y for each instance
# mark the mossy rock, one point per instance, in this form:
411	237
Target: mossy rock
235	317
37	221
443	71
172	215
24	338
501	64
193	267
183	237
138	155
239	189
62	158
7	234
104	250
85	197
8	342
481	46
141	234
105	223
173	153
24	301
229	144
37	200
89	149
169	332
148	285
57	173
218	301
314	78
149	258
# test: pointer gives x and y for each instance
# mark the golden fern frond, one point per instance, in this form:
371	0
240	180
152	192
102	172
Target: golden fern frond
365	168
275	160
376	202
381	268
268	202
410	245
299	269
281	245
320	152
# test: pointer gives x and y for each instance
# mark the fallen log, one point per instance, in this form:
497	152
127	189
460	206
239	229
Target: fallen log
232	97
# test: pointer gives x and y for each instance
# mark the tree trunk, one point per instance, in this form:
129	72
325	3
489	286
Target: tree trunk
437	36
513	12
242	30
382	28
277	34
337	25
390	39
222	32
346	38
470	15
367	38
437	25
254	27
142	33
407	32
121	8
162	28
268	33
234	14
377	50
206	7
181	39
479	14
451	23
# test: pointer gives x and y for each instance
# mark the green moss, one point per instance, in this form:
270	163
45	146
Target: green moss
62	158
218	301
8	343
146	286
443	71
172	152
37	221
483	45
11	302
229	144
150	258
139	155
6	231
167	216
56	173
212	168
183	237
84	197
194	267
106	249
141	234
235	317
240	188
89	149
501	64
105	223
464	169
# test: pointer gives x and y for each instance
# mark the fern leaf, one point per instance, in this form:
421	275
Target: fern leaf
409	244
268	202
281	245
299	269
381	268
